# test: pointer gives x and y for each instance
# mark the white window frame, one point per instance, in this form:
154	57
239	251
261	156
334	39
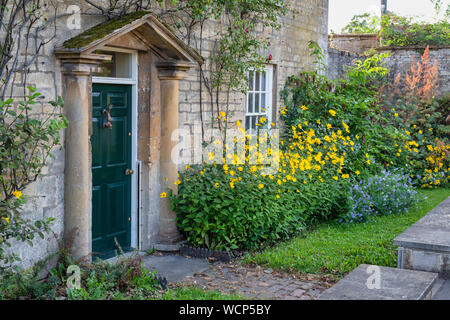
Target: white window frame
267	113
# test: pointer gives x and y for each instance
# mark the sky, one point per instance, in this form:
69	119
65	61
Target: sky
341	11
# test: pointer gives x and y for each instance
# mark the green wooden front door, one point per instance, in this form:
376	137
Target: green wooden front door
111	157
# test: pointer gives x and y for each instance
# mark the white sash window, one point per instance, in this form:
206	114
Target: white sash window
259	99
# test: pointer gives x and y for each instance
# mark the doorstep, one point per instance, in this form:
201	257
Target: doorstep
395	284
425	246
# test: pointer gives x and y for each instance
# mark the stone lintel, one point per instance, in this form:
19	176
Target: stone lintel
173	70
80	63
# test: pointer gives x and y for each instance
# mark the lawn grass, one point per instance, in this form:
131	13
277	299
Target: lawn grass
338	249
195	293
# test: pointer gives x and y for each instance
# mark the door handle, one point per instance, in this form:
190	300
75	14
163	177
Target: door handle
129	172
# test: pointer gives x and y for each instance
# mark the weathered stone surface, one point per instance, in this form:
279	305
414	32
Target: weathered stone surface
395	284
175	268
432	232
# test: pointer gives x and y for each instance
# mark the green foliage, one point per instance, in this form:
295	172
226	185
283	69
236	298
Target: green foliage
125	279
212	213
340	248
403	31
354	100
362	23
26	143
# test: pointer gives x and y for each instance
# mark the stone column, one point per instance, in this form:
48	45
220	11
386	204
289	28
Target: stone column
170	73
77	93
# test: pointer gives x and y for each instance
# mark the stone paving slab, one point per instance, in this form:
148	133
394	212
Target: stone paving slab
395	284
444	292
432	232
175	268
259	283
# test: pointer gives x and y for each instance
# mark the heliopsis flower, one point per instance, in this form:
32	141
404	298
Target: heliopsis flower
304	108
260	186
177	182
6	219
332	112
17	194
163	195
216	184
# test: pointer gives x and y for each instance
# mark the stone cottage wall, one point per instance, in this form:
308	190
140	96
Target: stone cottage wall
288	46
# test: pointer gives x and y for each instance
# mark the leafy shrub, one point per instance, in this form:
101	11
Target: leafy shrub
403	31
413	109
362	23
243	206
384	194
26	142
125	279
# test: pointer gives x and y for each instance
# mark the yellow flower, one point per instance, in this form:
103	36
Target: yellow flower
163	195
238	123
260	186
222	114
6	219
187	166
17	194
357	172
329	126
216	184
177	182
304	108
240	169
262	119
332	112
232	185
278	196
335	178
396	114
202	172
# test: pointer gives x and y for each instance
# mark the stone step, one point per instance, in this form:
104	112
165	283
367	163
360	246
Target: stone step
368	282
425	246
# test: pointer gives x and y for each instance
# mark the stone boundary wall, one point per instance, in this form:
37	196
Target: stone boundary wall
338	61
356	43
399	61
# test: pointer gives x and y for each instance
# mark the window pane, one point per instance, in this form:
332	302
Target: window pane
257	103
118	67
263	102
250	80
247	122
263	81
250	103
257	82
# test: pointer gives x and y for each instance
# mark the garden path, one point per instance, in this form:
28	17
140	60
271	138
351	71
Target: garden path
259	283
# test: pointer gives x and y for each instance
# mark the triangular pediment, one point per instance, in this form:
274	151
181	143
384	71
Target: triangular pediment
142	30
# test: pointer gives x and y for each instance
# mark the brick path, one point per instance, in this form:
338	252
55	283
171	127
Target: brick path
259	283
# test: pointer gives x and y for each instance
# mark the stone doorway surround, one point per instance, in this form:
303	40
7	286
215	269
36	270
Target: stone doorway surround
163	60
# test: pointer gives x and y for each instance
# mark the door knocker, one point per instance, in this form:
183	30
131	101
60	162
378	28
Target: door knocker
108	123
